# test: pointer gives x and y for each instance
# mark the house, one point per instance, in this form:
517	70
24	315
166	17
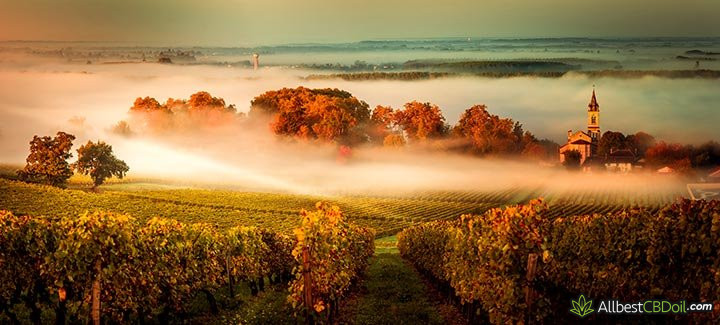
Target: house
585	142
620	160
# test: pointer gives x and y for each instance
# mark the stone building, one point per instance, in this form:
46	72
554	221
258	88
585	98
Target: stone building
582	141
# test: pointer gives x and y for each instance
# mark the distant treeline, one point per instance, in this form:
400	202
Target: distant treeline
421	75
491	66
410	75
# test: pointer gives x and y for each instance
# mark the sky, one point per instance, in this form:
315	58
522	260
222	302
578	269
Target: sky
249	23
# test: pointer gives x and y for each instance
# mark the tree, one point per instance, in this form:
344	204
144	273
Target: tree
491	134
706	155
421	121
640	142
667	154
47	161
572	160
394	140
202	100
147	105
382	122
611	141
324	114
98	161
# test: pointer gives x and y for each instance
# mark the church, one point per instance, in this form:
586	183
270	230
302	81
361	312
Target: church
585	142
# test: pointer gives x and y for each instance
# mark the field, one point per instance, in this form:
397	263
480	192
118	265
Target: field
279	212
413	298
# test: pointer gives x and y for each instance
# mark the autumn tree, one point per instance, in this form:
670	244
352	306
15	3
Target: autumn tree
382	123
394	140
98	161
47	161
147	105
202	100
421	121
324	114
491	134
668	154
201	110
148	113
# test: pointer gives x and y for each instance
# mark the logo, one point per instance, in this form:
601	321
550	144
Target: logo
581	307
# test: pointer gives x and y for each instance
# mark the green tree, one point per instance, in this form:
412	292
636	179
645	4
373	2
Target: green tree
47	161
640	142
572	160
611	141
98	161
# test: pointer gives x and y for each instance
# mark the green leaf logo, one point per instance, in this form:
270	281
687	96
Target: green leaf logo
581	307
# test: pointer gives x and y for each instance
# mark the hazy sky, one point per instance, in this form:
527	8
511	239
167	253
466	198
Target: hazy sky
243	22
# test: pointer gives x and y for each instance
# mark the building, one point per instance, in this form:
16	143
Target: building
585	142
621	160
256	61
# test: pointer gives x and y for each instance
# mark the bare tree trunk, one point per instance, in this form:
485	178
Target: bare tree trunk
95	310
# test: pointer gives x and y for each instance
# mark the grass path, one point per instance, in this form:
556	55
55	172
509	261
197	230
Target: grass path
392	292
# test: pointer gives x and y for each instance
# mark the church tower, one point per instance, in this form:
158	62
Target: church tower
594	118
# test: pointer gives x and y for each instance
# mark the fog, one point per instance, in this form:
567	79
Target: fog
42	97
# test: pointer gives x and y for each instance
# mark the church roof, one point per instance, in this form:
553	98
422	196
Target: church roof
593	106
581	141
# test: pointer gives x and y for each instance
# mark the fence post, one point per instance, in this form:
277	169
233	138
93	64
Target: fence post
307	285
530	294
95	307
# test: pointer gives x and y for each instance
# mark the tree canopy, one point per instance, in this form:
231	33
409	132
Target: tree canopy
421	121
201	110
98	161
491	134
47	161
572	159
324	114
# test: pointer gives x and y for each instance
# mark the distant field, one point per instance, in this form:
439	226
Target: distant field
276	211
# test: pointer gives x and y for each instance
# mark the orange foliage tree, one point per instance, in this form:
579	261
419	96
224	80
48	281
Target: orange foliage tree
421	121
491	134
201	110
382	122
324	114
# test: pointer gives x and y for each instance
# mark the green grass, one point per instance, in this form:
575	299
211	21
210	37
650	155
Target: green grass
268	307
391	292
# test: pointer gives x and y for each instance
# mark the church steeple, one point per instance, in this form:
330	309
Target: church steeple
594	117
593	106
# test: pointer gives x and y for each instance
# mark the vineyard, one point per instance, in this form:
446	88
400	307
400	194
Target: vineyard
522	264
278	211
205	243
66	268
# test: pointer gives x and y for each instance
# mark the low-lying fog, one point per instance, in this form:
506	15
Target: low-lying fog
43	97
